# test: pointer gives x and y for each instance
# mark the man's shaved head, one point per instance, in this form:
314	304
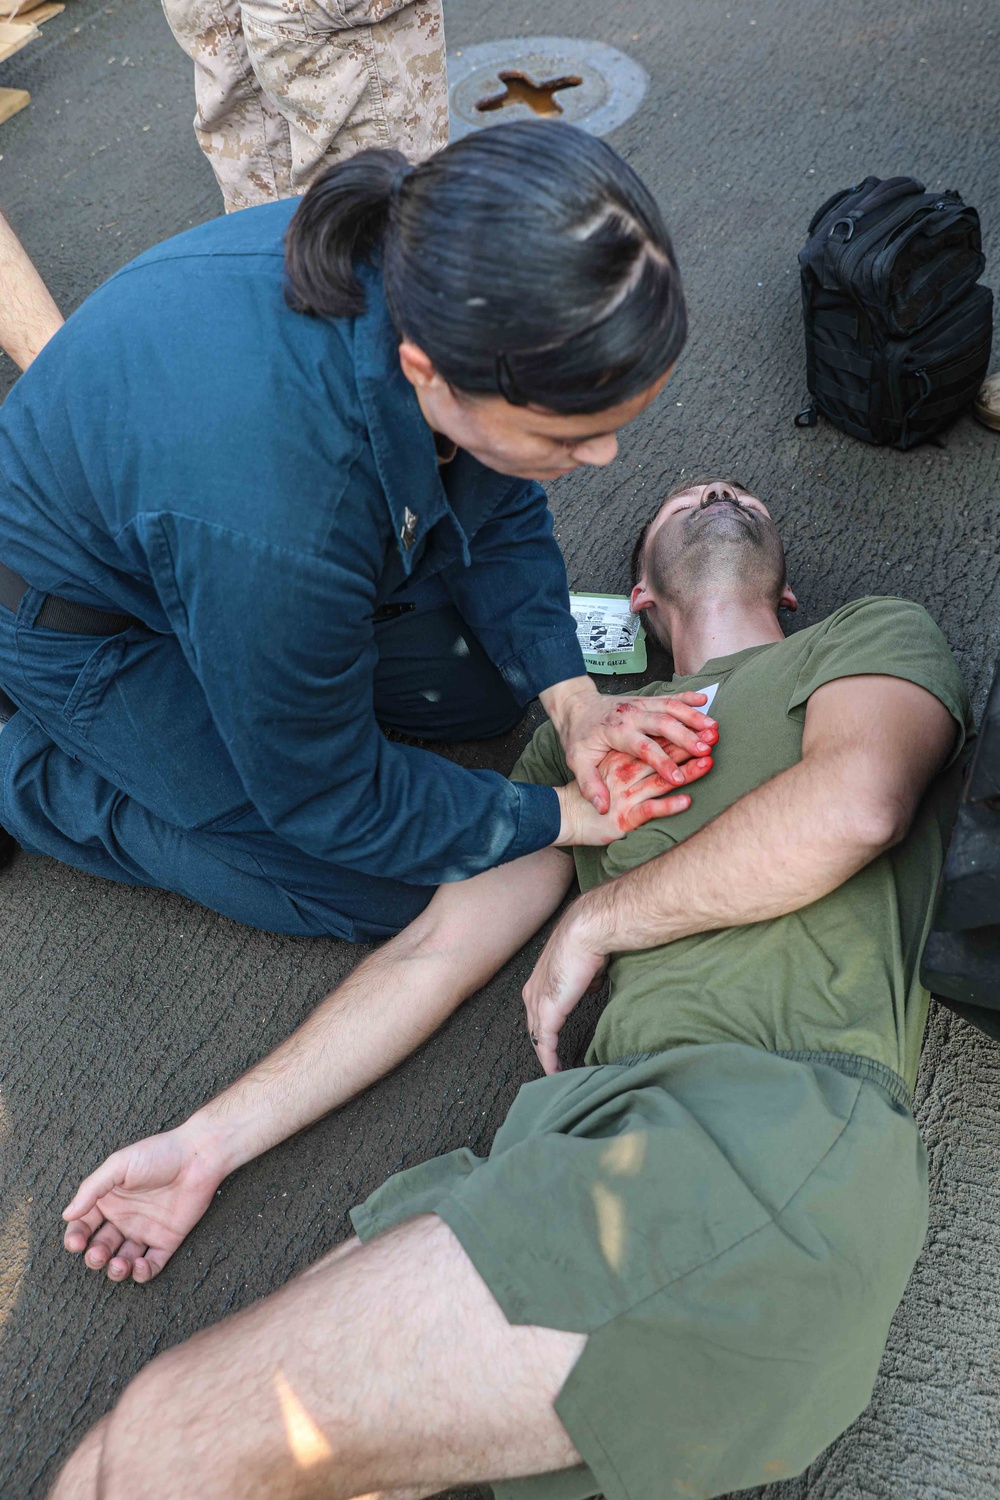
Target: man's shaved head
711	540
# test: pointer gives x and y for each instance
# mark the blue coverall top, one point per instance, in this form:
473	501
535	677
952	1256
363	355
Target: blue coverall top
237	476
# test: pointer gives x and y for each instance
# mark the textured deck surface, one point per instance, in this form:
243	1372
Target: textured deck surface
122	1009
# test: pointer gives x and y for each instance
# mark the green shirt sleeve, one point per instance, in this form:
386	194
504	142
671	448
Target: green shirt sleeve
542	762
889	638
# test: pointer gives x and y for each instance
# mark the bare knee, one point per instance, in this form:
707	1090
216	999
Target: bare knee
78	1479
143	1438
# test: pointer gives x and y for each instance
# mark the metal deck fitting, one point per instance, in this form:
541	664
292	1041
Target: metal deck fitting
556	77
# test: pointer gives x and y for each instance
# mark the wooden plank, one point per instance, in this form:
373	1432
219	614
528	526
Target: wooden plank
11	100
44	13
14	35
11	9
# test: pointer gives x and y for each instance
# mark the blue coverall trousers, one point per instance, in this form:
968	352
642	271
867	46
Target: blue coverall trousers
60	794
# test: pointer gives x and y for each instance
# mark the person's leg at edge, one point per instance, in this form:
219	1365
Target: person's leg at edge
8	845
241	131
347	78
384	1367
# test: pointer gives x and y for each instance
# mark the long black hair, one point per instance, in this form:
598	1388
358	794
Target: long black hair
526	260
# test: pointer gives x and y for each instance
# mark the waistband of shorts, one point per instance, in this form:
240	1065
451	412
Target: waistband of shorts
851	1063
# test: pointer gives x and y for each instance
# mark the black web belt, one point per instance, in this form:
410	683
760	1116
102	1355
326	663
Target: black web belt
61	614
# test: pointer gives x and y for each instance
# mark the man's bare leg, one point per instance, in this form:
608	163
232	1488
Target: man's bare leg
383	1367
78	1481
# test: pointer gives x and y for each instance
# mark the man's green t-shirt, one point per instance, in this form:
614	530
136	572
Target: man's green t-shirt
841	975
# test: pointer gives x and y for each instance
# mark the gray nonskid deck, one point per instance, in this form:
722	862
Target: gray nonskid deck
124	1008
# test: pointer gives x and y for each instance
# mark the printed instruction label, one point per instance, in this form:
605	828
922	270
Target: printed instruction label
611	637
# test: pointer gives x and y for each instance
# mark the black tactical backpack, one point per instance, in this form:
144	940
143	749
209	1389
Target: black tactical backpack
898	333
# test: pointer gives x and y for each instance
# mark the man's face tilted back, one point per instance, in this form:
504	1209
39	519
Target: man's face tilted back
711	545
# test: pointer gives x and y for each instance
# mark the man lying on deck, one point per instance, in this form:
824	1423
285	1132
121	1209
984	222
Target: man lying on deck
674	1275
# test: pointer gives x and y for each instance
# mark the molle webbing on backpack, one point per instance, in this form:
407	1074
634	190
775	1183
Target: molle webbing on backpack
898	333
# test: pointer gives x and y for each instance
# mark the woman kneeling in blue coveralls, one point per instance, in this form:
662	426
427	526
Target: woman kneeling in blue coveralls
274	486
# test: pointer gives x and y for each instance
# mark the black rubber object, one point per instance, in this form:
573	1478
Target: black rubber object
961	960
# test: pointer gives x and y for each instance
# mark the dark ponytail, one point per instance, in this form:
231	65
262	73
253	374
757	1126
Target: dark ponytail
527	260
340	221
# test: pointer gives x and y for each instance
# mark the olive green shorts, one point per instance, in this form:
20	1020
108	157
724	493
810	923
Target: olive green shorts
732	1228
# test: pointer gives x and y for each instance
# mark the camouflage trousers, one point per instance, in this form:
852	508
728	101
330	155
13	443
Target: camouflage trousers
285	88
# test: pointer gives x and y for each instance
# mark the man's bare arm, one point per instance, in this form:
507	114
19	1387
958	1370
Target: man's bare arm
388	1006
133	1212
870	747
28	315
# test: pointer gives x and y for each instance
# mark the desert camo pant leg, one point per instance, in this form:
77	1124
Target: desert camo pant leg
285	88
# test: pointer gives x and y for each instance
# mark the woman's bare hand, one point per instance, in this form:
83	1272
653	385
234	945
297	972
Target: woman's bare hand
636	793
